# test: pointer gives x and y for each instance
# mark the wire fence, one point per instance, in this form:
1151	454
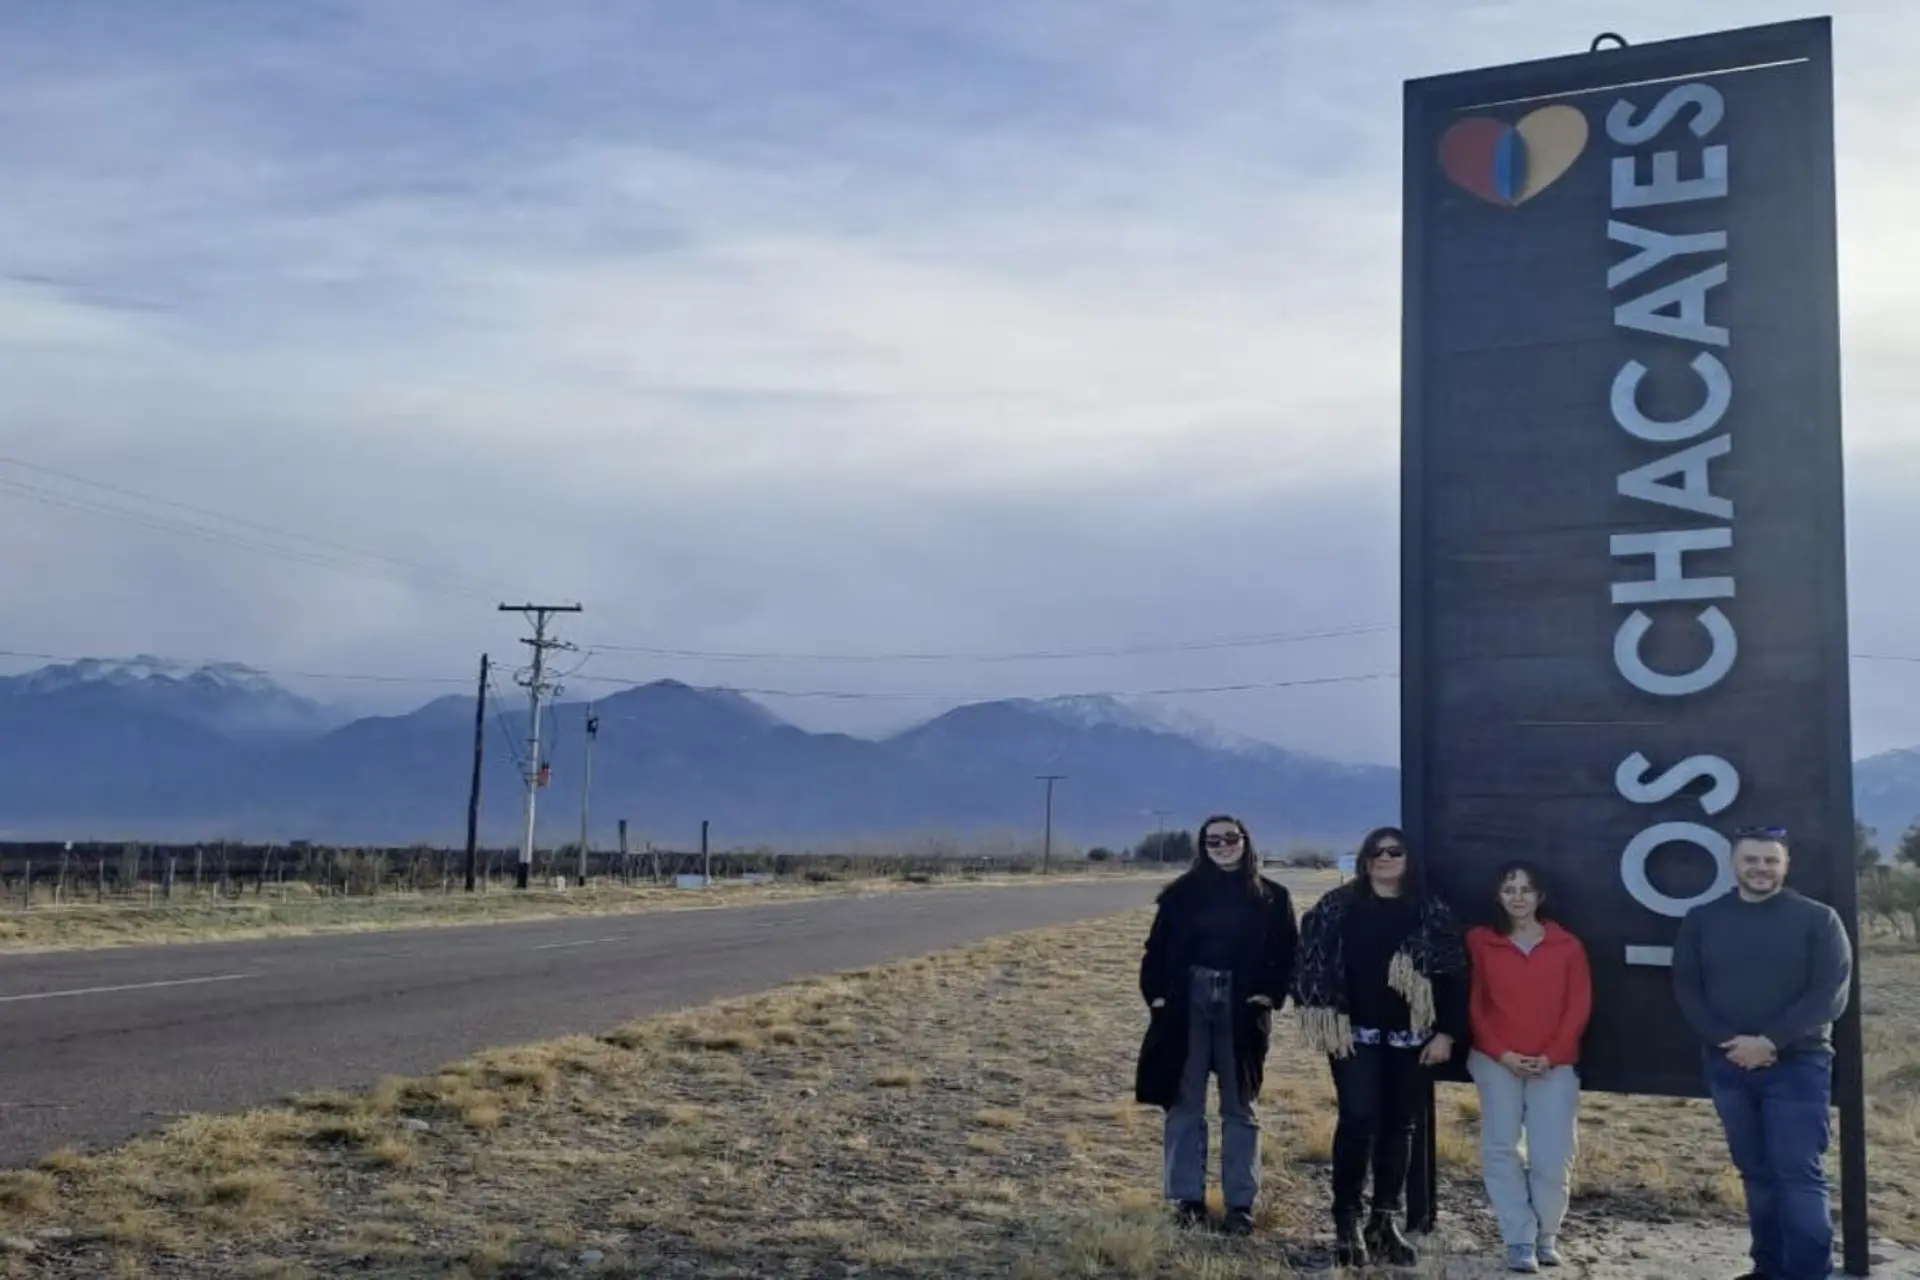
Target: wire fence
38	875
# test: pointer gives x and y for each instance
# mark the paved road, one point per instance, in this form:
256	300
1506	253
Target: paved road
97	1046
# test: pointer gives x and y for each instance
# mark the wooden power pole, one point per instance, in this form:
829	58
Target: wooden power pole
1046	846
473	789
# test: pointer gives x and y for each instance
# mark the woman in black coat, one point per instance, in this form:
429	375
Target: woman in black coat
1218	962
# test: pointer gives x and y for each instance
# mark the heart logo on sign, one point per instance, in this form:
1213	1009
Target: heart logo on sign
1510	164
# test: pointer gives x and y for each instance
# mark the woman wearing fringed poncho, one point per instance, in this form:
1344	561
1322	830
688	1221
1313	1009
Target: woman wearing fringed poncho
1381	988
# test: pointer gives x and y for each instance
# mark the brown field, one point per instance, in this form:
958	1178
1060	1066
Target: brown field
966	1114
48	927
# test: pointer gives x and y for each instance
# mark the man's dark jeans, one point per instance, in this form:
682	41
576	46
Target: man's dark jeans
1777	1127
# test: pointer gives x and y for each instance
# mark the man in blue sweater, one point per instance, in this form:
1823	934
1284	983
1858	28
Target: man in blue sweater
1761	975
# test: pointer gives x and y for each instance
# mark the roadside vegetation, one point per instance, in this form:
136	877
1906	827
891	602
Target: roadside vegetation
237	909
966	1114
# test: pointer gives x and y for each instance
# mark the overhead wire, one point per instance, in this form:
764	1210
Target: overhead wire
349	558
874	695
500	719
331	555
847	695
1262	640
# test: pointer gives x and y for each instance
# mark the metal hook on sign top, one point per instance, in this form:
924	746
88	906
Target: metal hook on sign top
1619	41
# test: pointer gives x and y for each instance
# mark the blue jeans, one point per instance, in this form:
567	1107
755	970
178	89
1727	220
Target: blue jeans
1777	1128
1210	1013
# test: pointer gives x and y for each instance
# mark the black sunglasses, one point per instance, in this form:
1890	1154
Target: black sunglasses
1387	851
1222	839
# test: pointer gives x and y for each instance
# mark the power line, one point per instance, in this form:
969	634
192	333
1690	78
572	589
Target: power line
500	719
164	524
344	557
868	695
1266	640
849	695
1029	655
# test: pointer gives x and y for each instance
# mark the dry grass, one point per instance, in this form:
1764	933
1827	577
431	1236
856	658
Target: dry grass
966	1114
84	925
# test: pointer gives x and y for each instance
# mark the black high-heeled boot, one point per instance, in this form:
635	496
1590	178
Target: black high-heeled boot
1386	1243
1349	1248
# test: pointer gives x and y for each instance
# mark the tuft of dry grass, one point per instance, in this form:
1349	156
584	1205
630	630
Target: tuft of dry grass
868	1124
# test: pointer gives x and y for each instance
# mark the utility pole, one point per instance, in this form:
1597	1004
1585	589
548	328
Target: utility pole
706	858
537	686
1046	848
473	789
1160	833
586	785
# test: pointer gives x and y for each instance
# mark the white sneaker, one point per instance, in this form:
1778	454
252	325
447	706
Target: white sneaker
1520	1257
1549	1255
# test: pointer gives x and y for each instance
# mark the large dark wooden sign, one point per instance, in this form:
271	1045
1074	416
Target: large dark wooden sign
1624	579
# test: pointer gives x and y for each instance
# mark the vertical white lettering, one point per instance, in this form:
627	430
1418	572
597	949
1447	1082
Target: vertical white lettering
1633	866
1667	186
1670	580
1704	98
1688	299
1628	662
1681	480
1626	405
1631	782
1695	493
1654	248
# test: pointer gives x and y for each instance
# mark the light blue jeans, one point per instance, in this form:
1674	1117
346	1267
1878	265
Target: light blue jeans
1210	1017
1530	1199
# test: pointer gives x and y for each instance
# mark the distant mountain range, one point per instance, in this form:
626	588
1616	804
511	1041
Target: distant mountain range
142	750
1886	794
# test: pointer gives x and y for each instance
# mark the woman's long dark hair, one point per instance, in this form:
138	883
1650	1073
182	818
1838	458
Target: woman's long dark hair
1411	885
1499	919
1248	872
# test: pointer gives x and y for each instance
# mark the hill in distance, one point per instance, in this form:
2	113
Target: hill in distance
140	750
149	751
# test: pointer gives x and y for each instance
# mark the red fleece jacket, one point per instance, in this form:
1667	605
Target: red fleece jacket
1529	1004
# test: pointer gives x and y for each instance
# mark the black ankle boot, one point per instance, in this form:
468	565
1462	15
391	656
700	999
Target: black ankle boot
1386	1243
1349	1249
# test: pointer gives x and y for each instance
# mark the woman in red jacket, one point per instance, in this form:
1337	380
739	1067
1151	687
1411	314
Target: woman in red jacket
1531	994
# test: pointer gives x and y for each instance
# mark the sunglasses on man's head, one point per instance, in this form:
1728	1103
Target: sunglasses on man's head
1760	833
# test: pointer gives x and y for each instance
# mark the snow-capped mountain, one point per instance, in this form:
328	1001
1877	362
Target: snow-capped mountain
1088	710
146	749
226	697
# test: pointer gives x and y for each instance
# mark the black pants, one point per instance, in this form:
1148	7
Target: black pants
1379	1092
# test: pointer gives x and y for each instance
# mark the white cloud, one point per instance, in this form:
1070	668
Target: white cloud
748	329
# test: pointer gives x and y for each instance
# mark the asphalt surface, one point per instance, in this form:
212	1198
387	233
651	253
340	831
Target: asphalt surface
98	1046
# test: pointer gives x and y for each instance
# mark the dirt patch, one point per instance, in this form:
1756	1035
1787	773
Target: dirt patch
962	1115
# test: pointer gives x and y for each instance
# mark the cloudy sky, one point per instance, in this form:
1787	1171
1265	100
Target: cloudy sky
812	333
